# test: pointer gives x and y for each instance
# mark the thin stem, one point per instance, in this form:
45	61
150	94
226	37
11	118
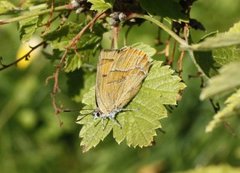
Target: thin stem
161	25
71	45
27	55
181	41
190	52
32	14
115	32
126	35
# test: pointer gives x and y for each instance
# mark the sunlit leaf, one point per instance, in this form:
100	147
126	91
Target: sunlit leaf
232	108
6	6
150	51
160	88
219	41
61	37
138	126
225	46
28	28
73	62
226	55
226	81
100	5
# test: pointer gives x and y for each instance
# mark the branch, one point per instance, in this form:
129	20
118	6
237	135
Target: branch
71	45
181	41
27	55
74	41
32	14
161	25
50	19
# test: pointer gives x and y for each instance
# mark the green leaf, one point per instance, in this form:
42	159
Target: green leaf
92	131
225	46
219	41
28	28
61	37
150	51
226	55
100	5
232	108
226	81
163	8
72	63
160	88
210	60
87	46
6	6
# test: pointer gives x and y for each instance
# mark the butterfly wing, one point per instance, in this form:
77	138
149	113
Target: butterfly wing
119	77
105	63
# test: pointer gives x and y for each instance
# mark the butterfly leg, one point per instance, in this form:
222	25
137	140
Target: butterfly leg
104	125
116	122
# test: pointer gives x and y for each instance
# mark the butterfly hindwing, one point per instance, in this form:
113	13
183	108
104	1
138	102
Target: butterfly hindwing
119	77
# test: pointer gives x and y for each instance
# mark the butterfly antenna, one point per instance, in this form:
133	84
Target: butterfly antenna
71	110
83	115
77	110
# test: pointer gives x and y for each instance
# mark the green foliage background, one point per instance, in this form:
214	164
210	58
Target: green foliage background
32	141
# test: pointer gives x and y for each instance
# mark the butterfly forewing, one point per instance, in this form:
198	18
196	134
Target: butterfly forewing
119	77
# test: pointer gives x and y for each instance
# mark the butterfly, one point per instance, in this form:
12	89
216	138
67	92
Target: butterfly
120	74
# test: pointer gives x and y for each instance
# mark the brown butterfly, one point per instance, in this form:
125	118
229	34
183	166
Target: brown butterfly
120	74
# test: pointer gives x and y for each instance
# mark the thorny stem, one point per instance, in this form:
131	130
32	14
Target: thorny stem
27	55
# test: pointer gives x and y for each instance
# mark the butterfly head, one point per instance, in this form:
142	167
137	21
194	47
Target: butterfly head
97	113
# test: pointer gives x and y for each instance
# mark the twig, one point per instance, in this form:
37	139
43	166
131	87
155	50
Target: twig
171	59
50	19
126	35
115	33
27	55
79	35
180	61
57	109
38	13
181	41
161	25
71	45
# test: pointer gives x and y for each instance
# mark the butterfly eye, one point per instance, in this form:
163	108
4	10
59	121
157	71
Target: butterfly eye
96	114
